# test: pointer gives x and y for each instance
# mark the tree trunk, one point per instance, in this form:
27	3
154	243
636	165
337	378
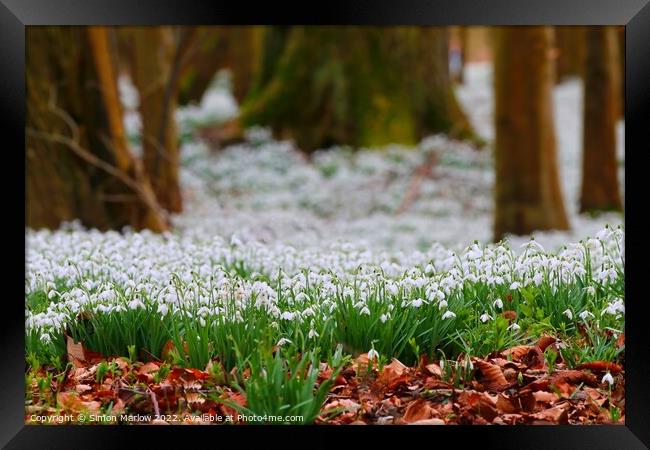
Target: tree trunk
569	41
600	188
78	165
620	32
233	48
152	64
359	86
527	190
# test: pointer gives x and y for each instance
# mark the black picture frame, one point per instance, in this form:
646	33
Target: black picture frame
15	15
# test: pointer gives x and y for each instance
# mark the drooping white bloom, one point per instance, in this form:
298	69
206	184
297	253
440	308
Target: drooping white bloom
283	341
416	303
514	327
163	309
515	285
614	308
383	318
591	290
538	278
585	314
567	312
135	304
607	378
372	354
365	311
498	303
448	315
485	317
312	334
287	315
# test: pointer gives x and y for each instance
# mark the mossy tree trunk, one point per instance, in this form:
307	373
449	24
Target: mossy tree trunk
152	62
78	165
600	186
236	48
527	191
359	86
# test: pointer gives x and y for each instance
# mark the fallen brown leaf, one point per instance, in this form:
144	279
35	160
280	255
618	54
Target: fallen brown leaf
601	366
419	409
493	378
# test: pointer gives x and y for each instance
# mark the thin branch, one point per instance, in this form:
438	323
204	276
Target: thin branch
154	401
413	192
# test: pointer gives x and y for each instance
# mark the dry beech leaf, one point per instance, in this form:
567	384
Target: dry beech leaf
505	405
493	378
392	372
546	397
573	377
419	409
433	421
81	388
434	369
361	364
545	341
601	366
71	402
479	403
557	414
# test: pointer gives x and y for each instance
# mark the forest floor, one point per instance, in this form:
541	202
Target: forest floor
339	289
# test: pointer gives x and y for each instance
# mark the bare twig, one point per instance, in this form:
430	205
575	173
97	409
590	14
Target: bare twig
154	402
413	192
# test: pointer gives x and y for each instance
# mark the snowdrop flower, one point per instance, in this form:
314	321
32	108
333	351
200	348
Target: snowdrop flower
607	378
283	341
442	304
202	321
365	311
585	314
515	285
235	241
52	294
135	304
383	318
416	303
514	327
372	354
287	315
614	308
312	334
567	312
448	315
604	234
485	317
45	338
538	278
498	303
301	297
163	309
591	290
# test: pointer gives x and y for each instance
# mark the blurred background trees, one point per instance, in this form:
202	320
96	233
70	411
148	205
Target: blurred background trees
358	86
601	111
78	161
527	189
320	87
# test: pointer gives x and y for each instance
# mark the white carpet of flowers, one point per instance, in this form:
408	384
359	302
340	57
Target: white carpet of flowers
315	251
